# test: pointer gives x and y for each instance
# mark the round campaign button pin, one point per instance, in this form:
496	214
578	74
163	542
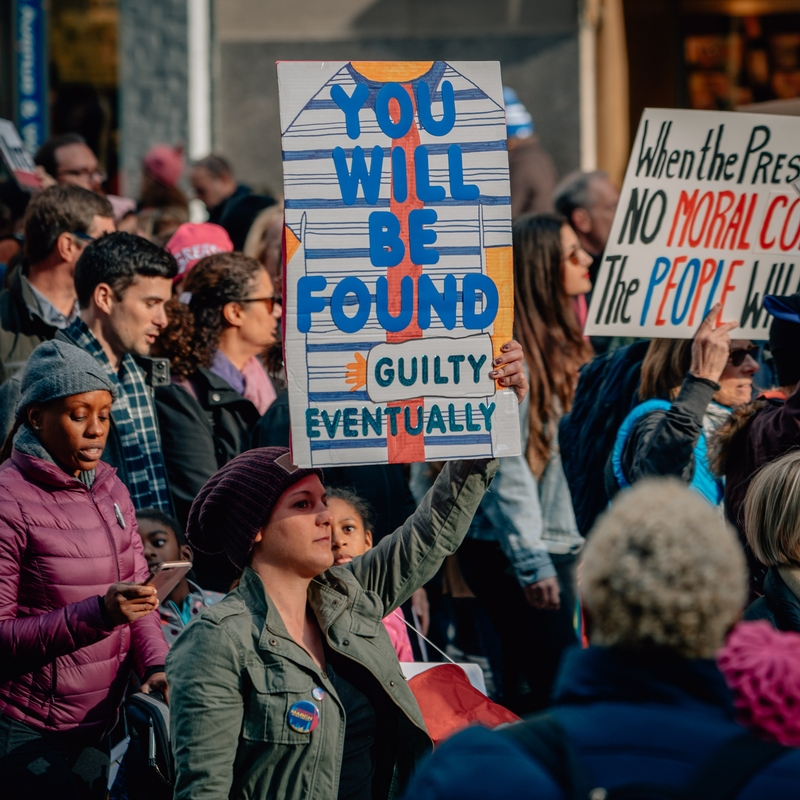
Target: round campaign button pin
303	716
318	693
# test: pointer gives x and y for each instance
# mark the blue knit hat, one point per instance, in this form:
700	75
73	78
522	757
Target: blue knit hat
519	122
59	369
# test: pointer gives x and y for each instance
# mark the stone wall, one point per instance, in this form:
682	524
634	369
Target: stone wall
153	80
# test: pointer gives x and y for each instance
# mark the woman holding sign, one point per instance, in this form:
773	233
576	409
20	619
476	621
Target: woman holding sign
688	389
289	687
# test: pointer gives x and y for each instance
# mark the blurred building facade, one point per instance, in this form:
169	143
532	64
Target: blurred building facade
130	73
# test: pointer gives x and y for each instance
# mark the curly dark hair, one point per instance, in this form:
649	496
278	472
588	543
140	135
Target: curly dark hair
358	503
193	331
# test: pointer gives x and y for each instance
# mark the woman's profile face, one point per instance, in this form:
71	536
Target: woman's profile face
73	429
297	538
575	263
258	323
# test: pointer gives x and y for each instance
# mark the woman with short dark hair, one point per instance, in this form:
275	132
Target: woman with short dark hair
688	389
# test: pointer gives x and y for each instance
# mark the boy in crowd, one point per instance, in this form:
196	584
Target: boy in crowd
163	540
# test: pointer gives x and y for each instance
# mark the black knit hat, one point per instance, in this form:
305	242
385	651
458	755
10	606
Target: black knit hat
238	500
784	336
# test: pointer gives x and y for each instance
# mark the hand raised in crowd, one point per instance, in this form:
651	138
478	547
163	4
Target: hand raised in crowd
127	602
508	369
711	347
544	594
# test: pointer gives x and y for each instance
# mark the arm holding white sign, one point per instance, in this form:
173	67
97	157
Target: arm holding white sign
666	434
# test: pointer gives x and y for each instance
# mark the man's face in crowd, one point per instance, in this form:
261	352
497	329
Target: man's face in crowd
601	214
211	189
137	318
78	166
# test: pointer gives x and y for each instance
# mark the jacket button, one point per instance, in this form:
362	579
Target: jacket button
391	683
215	397
273	642
346	642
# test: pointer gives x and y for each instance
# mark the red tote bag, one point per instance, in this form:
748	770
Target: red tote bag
449	703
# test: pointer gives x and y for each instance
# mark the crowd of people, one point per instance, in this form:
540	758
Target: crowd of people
633	585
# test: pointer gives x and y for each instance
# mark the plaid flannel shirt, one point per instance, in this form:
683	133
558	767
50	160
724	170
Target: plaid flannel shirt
134	417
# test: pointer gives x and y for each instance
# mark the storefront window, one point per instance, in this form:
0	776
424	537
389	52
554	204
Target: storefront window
83	76
735	60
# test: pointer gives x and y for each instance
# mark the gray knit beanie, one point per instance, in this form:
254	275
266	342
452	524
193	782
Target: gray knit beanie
59	369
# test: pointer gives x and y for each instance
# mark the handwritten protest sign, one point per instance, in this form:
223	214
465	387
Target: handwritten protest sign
709	213
16	157
398	287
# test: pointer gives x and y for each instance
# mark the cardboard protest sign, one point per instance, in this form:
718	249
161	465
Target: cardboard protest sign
709	213
16	157
398	288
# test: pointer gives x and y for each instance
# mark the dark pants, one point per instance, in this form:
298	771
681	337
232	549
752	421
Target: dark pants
532	640
38	766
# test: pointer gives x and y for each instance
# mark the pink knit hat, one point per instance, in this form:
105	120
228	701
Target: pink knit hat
762	667
193	241
164	163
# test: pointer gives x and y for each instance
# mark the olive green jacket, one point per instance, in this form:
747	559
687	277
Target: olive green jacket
235	672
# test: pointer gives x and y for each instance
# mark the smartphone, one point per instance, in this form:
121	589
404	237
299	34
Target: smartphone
166	576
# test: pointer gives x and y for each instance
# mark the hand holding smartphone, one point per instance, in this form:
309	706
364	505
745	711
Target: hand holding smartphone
166	576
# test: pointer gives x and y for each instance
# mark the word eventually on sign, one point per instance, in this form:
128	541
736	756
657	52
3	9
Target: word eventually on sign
709	213
398	264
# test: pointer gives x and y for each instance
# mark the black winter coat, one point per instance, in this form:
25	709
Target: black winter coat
201	433
778	606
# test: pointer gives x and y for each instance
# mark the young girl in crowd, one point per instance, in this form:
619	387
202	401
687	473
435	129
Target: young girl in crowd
163	540
74	619
351	536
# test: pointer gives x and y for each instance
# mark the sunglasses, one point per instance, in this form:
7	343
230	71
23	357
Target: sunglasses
737	357
270	302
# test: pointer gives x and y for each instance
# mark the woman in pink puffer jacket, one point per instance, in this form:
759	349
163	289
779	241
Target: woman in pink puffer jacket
73	619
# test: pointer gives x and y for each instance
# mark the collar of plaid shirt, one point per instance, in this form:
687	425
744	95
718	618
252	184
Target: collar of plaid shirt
134	418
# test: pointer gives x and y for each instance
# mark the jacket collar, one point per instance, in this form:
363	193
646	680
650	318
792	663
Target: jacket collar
49	473
326	603
782	600
601	674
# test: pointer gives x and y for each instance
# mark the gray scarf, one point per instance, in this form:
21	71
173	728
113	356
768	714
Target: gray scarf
26	442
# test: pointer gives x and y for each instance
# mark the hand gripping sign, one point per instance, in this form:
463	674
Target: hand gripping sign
398	265
708	214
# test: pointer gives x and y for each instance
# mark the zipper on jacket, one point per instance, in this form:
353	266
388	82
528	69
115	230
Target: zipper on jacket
114	552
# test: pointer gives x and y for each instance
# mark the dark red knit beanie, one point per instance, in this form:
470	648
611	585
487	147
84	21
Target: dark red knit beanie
238	500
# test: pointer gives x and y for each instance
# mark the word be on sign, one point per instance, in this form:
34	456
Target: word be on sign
708	214
398	269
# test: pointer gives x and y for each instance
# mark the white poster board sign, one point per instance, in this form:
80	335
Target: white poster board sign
708	213
398	264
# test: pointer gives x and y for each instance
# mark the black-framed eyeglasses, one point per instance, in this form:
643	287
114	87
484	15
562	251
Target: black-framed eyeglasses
100	174
738	356
84	237
270	302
